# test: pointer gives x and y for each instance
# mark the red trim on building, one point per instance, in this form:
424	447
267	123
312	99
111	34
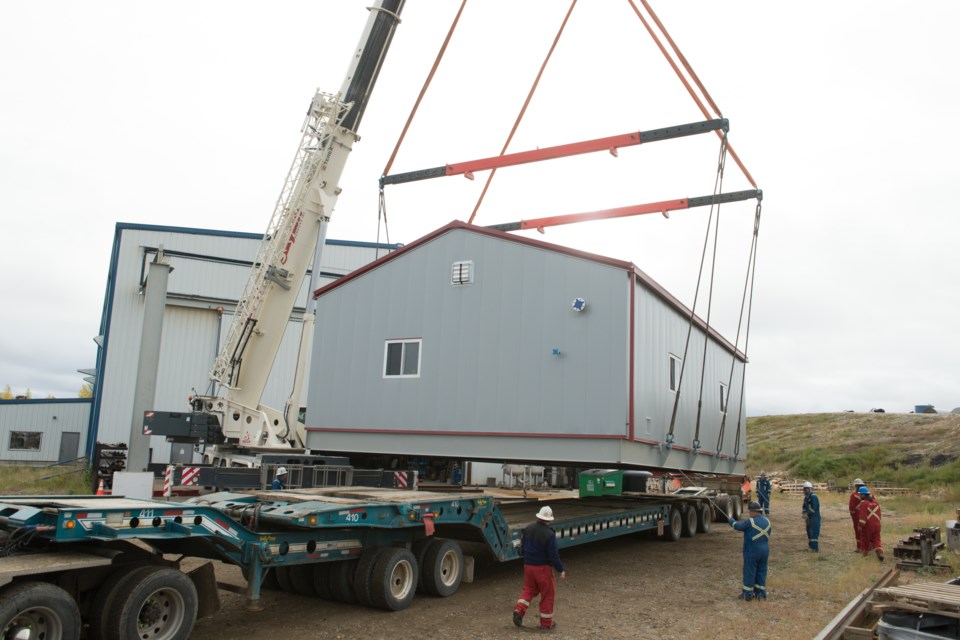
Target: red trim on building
426	432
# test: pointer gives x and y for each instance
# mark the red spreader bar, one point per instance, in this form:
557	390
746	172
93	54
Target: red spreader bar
610	144
635	210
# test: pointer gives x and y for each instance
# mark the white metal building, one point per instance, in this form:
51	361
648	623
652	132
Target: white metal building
209	271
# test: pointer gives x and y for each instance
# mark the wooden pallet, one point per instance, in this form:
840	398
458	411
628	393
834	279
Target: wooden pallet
932	597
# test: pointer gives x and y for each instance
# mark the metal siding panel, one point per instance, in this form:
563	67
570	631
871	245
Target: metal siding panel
486	363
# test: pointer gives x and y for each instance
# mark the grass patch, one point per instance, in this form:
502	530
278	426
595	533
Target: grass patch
72	479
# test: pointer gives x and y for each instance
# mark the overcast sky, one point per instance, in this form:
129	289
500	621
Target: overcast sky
188	114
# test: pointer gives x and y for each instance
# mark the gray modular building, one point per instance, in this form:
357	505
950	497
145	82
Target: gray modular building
474	344
210	269
43	431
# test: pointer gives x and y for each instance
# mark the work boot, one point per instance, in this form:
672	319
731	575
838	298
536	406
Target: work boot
517	618
880	555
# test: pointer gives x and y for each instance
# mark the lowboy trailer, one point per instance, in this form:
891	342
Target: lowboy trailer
100	565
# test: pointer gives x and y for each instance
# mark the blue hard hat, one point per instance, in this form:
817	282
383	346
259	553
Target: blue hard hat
864	491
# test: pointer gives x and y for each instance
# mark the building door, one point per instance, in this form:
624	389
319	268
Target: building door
69	446
181	453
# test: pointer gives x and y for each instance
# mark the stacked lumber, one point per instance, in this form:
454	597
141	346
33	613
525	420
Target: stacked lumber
929	597
794	488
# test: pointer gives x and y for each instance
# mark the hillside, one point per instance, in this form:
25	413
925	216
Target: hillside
915	450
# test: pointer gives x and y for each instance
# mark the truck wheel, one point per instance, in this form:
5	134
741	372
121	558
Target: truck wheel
38	610
736	509
720	513
340	577
105	596
419	550
441	569
394	579
321	580
673	525
159	603
704	517
284	579
301	577
689	526
362	578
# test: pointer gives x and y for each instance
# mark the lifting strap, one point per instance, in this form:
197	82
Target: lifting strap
382	212
523	109
683	363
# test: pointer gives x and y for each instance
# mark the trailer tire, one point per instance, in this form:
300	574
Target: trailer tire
104	597
363	576
704	517
720	513
44	609
394	579
284	579
689	527
674	524
441	568
419	549
301	577
736	507
158	603
341	575
321	580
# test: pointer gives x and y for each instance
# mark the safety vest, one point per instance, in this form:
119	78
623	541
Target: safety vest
873	513
763	533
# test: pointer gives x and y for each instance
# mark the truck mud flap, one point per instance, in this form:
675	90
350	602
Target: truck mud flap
208	596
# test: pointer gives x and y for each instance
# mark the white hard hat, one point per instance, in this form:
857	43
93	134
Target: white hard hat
807	485
281	471
858	482
545	514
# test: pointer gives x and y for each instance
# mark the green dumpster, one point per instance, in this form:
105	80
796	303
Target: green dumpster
601	482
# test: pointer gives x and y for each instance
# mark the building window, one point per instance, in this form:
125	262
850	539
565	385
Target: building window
25	440
675	363
401	359
723	398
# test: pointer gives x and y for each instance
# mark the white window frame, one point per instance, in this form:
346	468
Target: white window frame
403	355
724	397
673	382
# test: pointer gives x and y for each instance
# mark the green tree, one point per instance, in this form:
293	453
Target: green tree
86	391
6	394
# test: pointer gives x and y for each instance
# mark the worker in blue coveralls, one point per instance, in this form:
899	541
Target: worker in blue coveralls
811	515
279	480
763	492
756	551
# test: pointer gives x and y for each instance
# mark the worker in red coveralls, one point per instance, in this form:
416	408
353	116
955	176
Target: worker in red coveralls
868	515
540	558
855	499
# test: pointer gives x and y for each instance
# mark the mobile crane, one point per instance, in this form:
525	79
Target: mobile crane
232	421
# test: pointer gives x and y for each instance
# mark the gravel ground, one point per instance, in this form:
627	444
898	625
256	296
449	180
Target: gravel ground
626	588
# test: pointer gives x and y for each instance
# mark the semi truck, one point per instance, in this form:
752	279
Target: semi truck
109	566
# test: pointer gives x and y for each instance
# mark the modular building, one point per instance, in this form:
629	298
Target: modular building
43	431
474	344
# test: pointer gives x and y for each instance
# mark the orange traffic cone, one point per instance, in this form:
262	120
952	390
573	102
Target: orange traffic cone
100	491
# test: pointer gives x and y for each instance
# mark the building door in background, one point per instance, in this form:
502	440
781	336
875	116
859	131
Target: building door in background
69	446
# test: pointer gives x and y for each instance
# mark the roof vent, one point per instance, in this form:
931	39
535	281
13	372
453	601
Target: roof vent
462	273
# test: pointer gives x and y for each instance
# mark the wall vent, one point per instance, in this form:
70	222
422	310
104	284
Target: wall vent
462	273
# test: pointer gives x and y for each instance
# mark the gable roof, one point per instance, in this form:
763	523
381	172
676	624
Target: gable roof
640	277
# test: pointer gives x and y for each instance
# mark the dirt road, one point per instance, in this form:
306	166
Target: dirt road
634	587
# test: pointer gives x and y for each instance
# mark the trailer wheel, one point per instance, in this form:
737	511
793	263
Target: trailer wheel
160	604
394	579
284	579
341	576
419	550
689	526
736	507
673	525
363	577
704	517
441	569
720	513
105	596
301	577
38	610
321	580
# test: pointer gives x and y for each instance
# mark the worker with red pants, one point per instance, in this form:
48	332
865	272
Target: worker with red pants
855	499
756	552
868	515
540	558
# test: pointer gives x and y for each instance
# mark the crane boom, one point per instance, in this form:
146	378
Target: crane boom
292	244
